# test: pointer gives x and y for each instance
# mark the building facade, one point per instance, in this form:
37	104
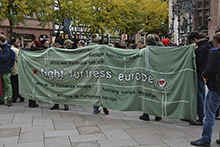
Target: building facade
28	31
205	18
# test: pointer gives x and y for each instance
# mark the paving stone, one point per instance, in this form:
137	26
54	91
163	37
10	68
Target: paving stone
34	144
68	119
89	130
42	122
117	143
171	135
60	133
89	123
177	142
89	116
108	119
114	126
33	111
28	137
7	116
87	138
70	115
116	134
9	140
144	136
65	126
57	142
85	144
14	125
9	132
37	128
155	145
22	118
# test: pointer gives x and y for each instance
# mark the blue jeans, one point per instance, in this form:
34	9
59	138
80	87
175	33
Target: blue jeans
200	99
95	109
212	103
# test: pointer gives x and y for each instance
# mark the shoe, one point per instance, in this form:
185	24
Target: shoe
55	106
66	107
96	112
200	143
9	103
218	141
197	123
105	111
2	102
157	118
14	101
32	104
144	117
21	100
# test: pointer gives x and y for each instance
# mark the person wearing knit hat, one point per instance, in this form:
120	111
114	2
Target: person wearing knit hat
150	40
166	42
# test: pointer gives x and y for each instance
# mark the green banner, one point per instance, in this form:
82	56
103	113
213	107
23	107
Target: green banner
159	81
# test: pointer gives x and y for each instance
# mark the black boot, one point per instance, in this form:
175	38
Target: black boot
21	99
66	107
55	106
144	117
32	104
157	118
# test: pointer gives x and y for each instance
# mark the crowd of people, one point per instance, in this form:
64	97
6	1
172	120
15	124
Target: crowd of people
207	63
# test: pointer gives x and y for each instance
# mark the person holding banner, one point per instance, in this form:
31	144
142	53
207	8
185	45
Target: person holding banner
202	54
5	70
95	40
212	101
59	43
152	42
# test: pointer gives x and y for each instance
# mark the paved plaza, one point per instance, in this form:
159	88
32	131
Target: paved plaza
21	126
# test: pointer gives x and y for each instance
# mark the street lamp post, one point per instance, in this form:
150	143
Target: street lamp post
162	26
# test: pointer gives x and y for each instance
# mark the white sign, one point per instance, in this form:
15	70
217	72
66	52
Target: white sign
124	36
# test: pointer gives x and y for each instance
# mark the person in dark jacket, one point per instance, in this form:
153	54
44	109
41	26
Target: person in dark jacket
5	57
150	41
202	54
212	101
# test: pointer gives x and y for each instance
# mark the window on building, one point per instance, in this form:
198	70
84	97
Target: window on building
203	13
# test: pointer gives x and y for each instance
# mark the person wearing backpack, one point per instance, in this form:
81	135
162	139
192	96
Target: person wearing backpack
5	58
212	100
14	71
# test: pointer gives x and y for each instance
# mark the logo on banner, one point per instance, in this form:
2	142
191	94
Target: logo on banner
161	82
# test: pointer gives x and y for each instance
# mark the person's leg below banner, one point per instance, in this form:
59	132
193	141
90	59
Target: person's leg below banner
96	109
1	102
6	87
